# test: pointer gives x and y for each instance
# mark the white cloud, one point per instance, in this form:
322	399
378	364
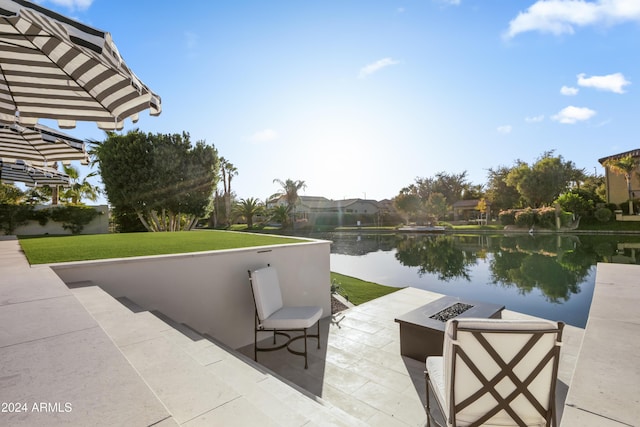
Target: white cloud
611	82
569	91
563	16
534	119
450	2
505	129
376	66
72	4
264	135
571	115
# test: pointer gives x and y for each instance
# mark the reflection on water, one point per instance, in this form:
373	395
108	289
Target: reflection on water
550	276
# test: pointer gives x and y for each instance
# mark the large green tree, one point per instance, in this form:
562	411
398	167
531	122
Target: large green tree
541	183
409	203
10	194
162	178
501	195
453	186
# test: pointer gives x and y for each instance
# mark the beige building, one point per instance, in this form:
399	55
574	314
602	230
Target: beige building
616	184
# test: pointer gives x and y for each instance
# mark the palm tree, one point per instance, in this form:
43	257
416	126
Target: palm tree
227	171
626	166
249	208
79	189
280	214
290	192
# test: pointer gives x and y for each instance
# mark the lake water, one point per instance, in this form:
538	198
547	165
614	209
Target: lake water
549	276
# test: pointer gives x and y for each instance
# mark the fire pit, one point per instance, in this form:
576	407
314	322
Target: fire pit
422	330
451	312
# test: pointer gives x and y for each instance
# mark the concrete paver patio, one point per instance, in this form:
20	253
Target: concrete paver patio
53	351
360	370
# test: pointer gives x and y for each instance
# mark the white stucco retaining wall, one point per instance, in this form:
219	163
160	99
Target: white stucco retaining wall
210	291
99	224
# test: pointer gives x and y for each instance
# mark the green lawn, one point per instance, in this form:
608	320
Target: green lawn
51	249
358	291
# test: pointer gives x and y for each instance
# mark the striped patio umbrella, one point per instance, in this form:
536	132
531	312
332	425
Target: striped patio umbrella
40	145
34	176
57	68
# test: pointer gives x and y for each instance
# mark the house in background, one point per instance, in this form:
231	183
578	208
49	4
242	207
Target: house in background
616	184
317	210
467	210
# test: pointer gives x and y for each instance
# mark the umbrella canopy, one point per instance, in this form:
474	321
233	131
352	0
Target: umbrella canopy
40	145
57	68
33	176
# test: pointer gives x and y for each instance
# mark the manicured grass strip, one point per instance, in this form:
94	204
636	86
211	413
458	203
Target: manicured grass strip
52	249
359	291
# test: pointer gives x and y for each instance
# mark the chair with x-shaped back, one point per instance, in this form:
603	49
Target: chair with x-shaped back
496	372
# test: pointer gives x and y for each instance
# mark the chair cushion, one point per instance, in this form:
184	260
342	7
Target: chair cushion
435	368
293	318
266	291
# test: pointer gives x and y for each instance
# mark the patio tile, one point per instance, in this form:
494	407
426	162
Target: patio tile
237	374
348	403
41	319
383	420
123	333
21	284
391	379
343	379
280	411
238	412
580	418
179	381
391	403
81	368
592	378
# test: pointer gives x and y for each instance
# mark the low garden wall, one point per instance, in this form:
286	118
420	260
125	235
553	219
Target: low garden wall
98	225
210	291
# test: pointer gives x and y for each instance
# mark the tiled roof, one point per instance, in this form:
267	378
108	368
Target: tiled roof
632	153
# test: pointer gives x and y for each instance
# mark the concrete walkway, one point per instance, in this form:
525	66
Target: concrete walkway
57	365
605	389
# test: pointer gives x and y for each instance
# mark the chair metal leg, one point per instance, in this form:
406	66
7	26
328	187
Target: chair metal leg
318	332
306	365
426	382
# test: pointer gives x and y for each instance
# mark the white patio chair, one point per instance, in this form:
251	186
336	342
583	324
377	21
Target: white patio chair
496	372
273	316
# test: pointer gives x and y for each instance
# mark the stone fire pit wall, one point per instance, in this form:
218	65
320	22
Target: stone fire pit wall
210	291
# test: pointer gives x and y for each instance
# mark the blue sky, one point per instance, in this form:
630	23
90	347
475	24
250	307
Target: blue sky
358	98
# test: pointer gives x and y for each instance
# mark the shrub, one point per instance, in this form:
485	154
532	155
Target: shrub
74	218
546	217
12	216
525	218
566	218
507	217
612	207
603	214
576	203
